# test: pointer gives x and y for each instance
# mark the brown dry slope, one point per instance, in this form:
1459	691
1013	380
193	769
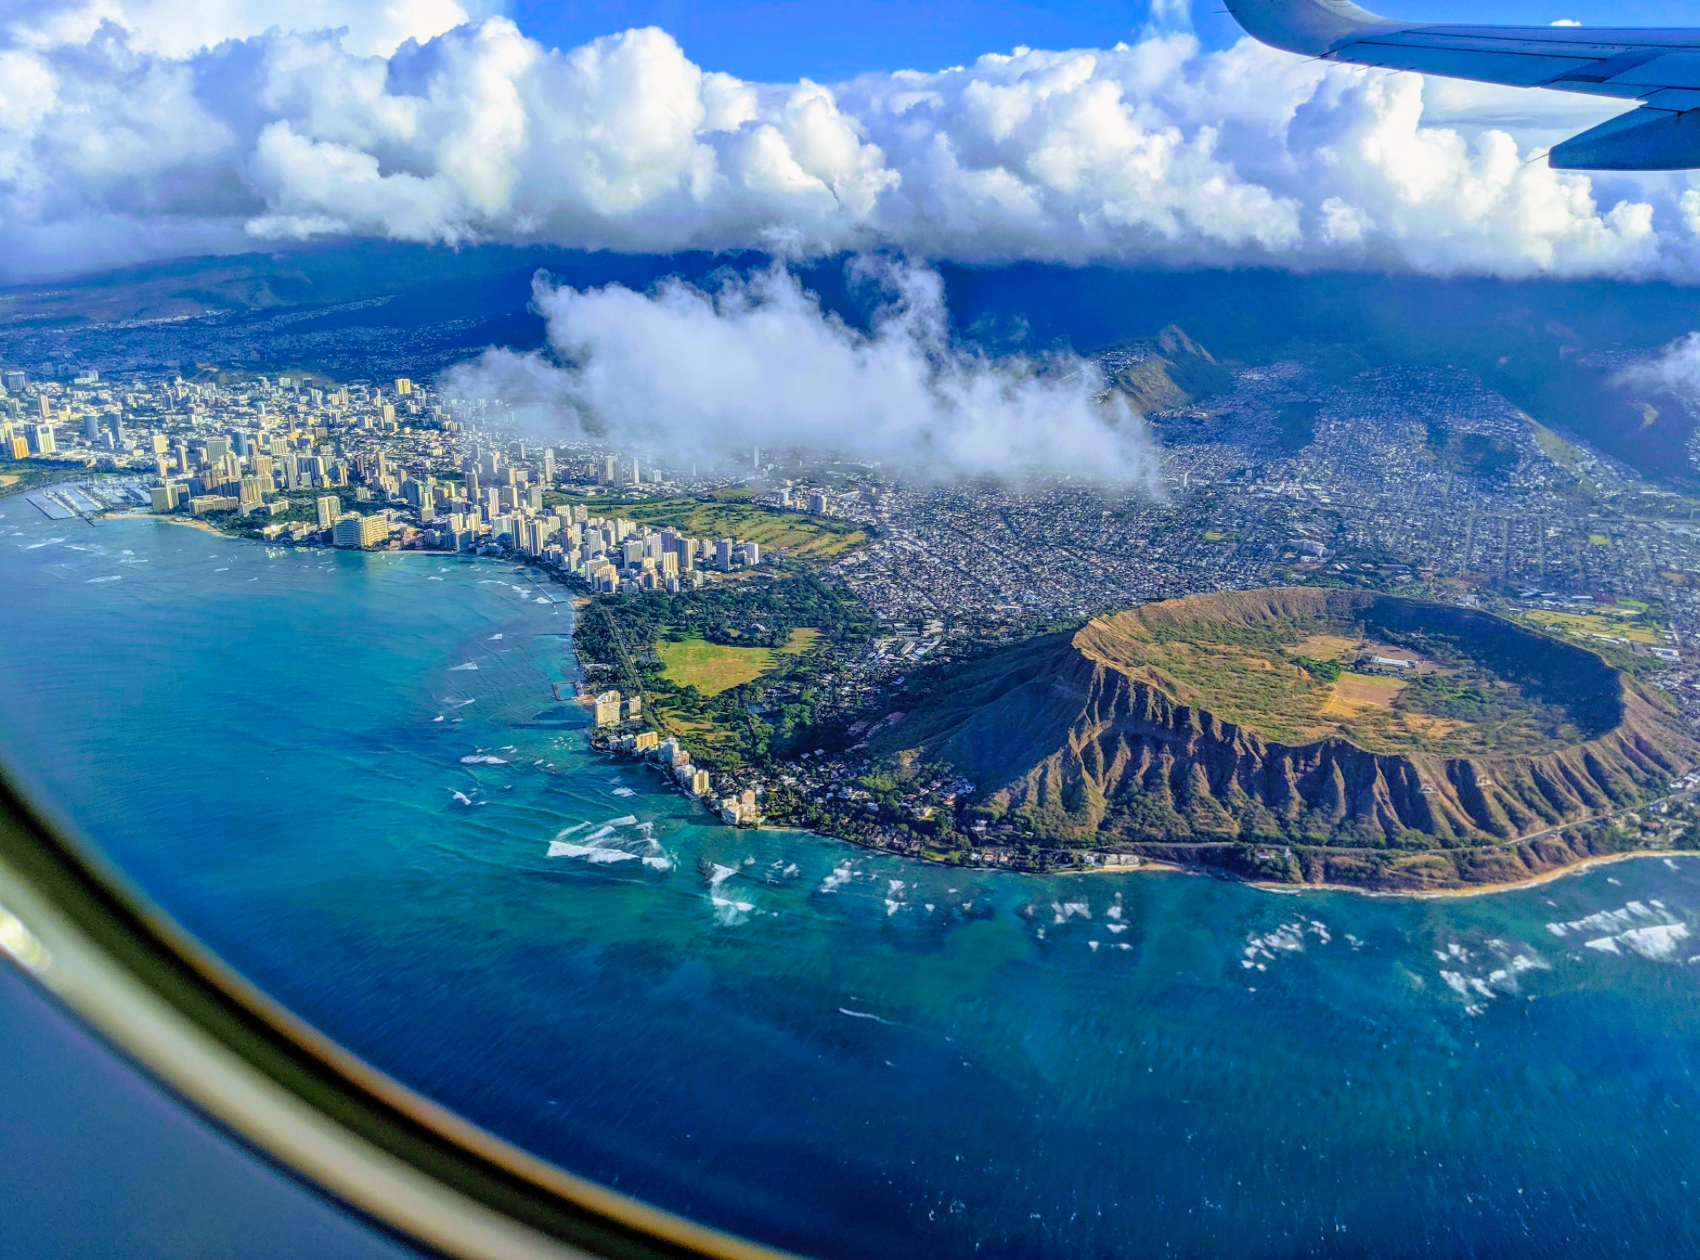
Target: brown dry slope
1196	728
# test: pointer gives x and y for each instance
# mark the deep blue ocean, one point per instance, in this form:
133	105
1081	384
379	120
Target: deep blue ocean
343	773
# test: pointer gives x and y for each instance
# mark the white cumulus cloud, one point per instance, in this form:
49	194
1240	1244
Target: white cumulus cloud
132	128
176	28
1675	369
689	373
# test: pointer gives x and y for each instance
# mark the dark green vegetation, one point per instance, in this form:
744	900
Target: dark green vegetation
1174	371
751	724
296	505
1226	730
1472	454
32	474
1297	423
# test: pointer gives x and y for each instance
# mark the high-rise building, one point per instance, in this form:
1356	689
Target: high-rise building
817	504
44	407
608	709
217	449
165	498
328	507
91	426
609	471
549	465
14	381
41	441
403	386
250	493
723	555
637	477
538	531
752	553
373	530
360	531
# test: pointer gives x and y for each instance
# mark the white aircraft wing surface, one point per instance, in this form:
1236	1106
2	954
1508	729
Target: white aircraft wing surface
1658	68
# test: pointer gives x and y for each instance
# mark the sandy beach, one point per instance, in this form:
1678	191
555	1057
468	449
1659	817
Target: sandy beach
1478	890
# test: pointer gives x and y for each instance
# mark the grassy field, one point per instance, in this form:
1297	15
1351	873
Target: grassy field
1268	687
800	640
1327	647
1354	694
1556	448
1633	629
732	516
714	667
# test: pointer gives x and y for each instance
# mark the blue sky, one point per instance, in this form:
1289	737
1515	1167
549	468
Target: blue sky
775	40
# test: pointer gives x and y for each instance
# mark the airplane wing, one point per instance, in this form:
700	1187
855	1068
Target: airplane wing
1659	68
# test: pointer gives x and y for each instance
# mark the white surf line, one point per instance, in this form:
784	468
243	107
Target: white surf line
844	1010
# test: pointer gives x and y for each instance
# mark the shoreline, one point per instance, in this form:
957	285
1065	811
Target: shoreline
1157	866
1148	865
1477	890
173	519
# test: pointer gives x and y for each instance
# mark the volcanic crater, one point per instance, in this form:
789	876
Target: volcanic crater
1303	734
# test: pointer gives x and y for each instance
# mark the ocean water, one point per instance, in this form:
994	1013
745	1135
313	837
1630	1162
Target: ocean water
346	773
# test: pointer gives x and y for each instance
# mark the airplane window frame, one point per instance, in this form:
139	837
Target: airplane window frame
71	924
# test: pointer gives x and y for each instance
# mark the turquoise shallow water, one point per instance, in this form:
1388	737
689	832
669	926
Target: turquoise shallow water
837	1052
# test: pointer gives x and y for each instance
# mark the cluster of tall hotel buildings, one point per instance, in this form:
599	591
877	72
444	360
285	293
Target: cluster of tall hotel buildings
741	810
368	452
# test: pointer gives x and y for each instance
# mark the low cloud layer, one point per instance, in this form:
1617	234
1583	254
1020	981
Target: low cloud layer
142	128
685	374
1674	370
